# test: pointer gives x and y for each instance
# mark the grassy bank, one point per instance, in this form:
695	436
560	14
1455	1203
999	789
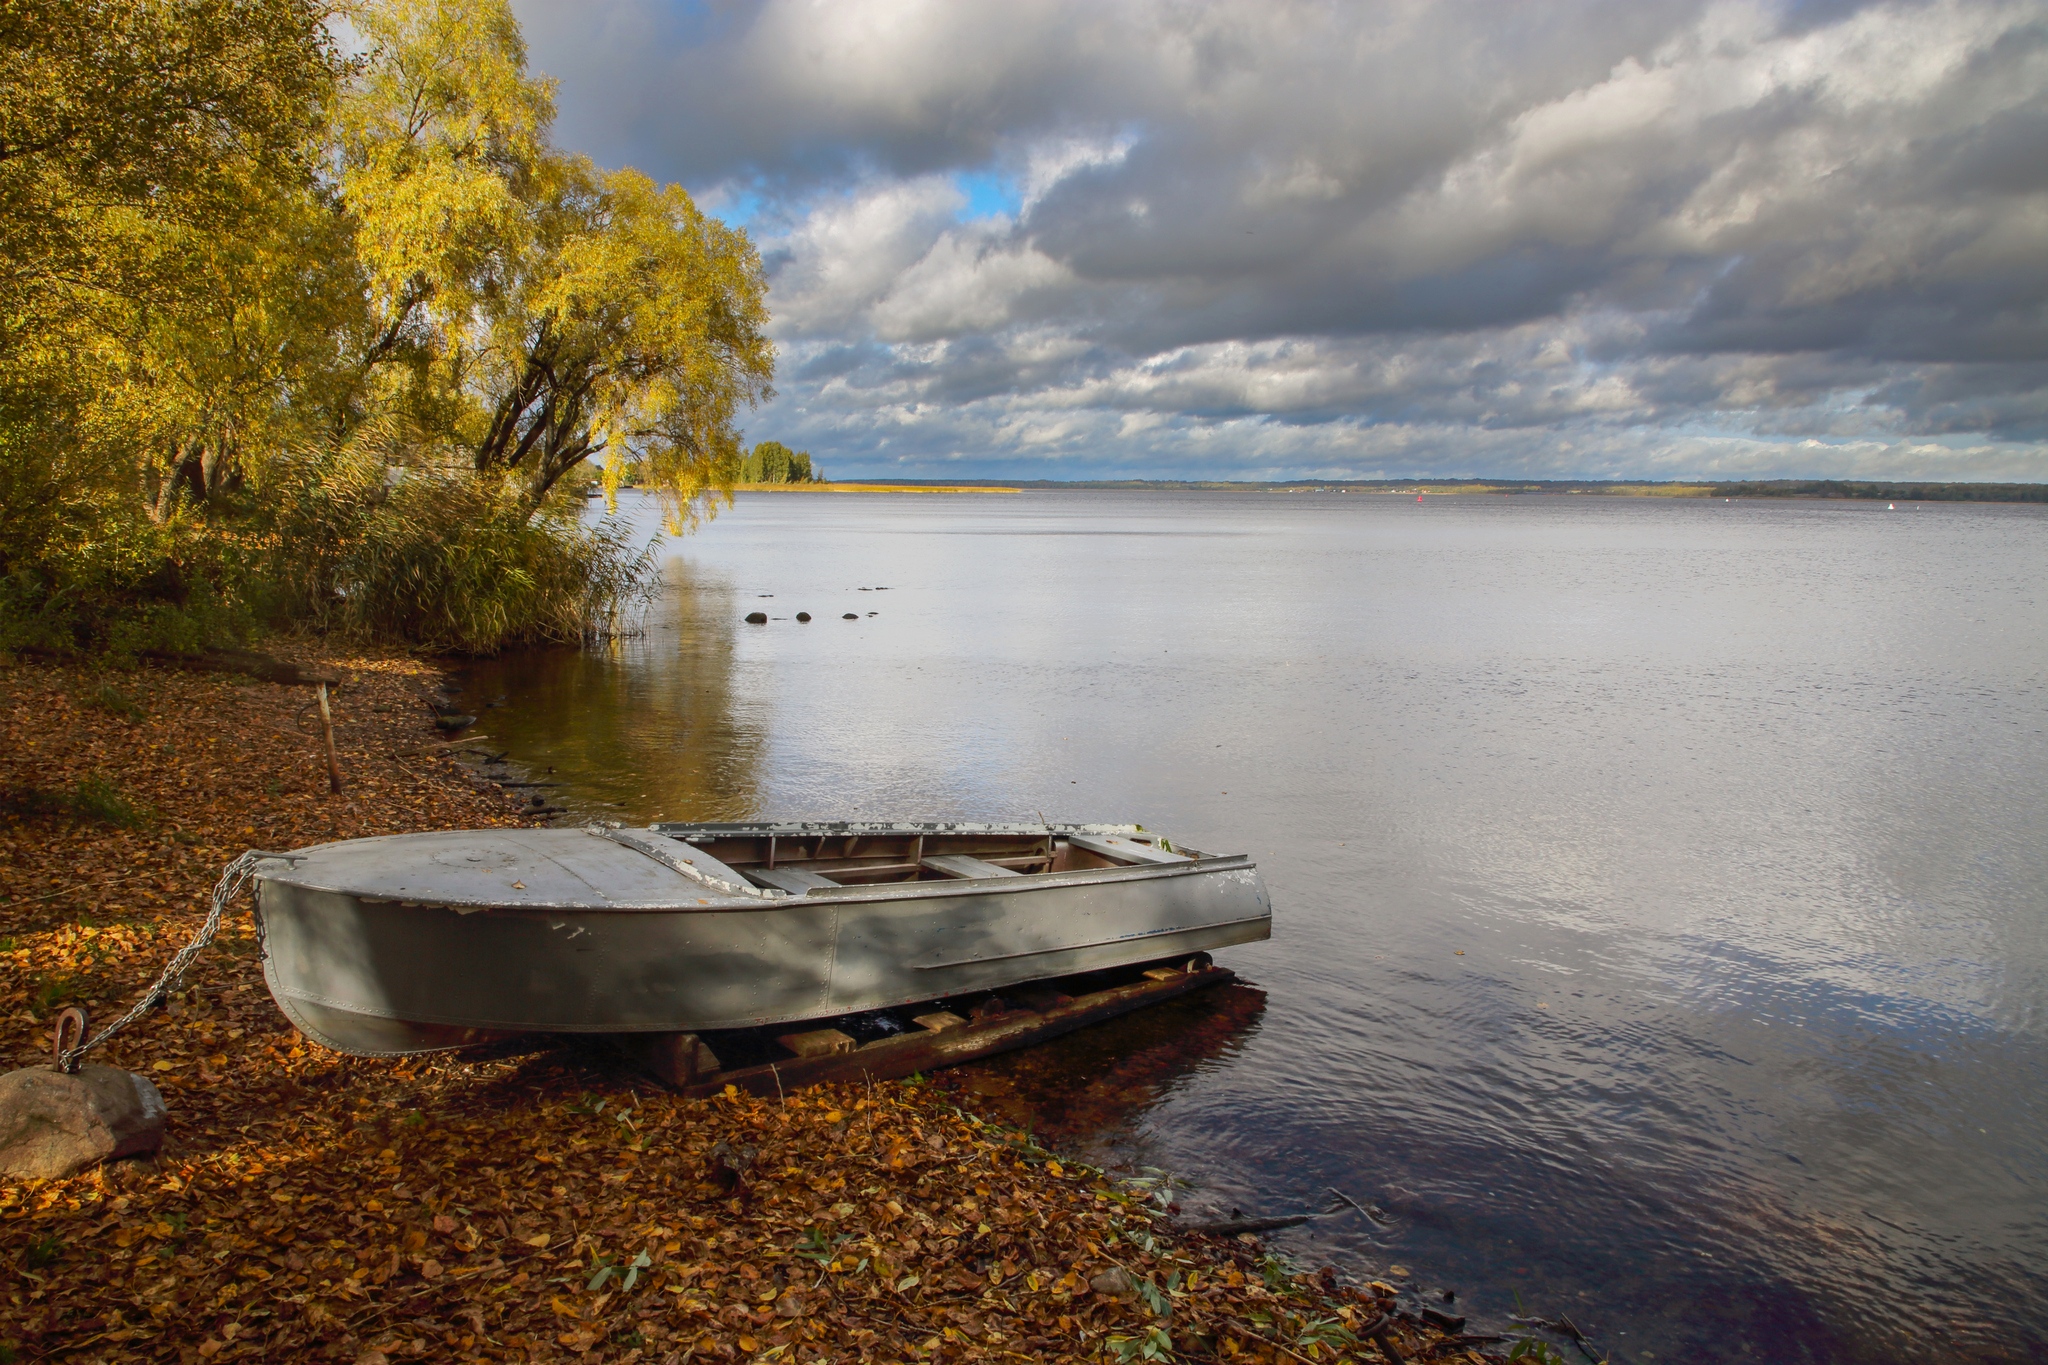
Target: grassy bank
549	1207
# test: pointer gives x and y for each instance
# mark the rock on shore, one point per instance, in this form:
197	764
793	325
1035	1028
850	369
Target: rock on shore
52	1124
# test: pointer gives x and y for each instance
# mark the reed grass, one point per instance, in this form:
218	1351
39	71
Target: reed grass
448	565
446	561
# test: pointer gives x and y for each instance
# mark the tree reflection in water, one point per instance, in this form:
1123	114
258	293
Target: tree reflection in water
647	727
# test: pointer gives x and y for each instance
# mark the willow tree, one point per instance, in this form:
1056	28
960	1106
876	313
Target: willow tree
118	118
159	208
545	312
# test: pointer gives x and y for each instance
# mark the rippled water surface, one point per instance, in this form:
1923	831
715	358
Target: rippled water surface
1661	888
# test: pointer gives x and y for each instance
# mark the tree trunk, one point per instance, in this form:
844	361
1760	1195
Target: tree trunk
185	467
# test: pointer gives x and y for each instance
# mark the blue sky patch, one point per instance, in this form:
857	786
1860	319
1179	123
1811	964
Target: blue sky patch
989	195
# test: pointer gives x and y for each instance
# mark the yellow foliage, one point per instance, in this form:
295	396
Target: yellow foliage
557	311
253	283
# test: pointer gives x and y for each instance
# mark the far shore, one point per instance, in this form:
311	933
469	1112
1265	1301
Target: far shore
1800	489
869	488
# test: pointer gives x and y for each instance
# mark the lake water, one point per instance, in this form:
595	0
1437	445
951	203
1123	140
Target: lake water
1660	887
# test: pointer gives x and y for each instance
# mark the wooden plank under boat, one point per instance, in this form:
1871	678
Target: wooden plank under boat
422	942
695	1064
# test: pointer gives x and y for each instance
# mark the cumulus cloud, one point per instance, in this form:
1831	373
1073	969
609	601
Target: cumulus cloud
1279	238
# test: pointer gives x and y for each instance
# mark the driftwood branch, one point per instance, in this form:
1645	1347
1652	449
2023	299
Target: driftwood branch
429	750
251	664
1372	1211
1232	1226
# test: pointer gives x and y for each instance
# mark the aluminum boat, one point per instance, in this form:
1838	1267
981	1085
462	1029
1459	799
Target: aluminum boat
421	942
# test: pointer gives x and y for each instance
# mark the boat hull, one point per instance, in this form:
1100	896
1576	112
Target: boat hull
371	975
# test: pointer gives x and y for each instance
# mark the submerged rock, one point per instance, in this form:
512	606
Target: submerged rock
453	723
52	1124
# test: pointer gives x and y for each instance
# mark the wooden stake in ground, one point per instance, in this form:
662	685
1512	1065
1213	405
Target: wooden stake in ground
327	732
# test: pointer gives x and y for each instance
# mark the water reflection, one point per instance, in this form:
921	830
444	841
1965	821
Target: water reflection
1085	1092
648	727
1658	887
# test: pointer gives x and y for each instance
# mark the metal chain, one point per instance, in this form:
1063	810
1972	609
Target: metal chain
236	876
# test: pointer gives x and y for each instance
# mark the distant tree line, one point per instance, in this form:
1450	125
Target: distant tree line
1887	492
1763	488
774	462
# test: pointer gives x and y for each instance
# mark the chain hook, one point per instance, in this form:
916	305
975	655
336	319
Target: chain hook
73	1023
237	875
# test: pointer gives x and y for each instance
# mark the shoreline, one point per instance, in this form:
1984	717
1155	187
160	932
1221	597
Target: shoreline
549	1206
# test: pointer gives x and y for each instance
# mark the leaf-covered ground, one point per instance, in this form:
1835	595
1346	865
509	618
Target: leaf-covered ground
549	1207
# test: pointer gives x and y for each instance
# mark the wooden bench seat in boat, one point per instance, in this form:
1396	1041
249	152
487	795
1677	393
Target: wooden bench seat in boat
1123	850
794	880
960	865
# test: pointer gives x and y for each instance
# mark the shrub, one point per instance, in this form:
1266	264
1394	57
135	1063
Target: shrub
449	561
97	798
141	591
111	699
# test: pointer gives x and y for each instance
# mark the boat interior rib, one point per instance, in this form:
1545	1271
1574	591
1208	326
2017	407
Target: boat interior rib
799	859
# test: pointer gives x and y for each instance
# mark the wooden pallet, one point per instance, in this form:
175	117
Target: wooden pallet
687	1063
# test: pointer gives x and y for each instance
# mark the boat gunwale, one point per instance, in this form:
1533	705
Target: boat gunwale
867	828
834	896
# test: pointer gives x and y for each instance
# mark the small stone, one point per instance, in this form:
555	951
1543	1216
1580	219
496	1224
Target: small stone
803	616
453	723
52	1124
757	618
1114	1283
849	617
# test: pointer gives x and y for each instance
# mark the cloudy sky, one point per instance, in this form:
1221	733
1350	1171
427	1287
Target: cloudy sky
1362	238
